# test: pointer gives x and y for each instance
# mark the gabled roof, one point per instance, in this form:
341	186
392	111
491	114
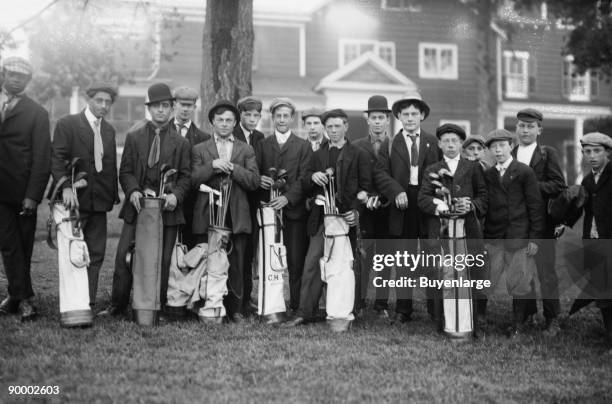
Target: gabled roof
367	72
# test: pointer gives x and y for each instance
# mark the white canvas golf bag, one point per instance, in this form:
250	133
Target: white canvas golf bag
147	261
337	271
456	301
271	266
186	270
213	282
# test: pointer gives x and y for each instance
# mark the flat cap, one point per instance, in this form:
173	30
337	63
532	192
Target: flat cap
222	104
102	87
312	112
185	93
17	64
498	134
596	139
282	102
333	113
248	103
529	115
474	138
450	128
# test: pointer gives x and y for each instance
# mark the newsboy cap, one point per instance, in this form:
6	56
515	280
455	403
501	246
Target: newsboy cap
333	113
282	102
473	139
17	64
102	87
498	134
529	115
159	92
186	93
450	128
312	112
222	104
596	139
248	103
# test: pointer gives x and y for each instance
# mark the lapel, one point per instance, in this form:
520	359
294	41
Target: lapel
509	175
424	146
239	134
461	171
236	148
211	146
400	148
292	139
21	105
143	143
168	145
603	178
342	169
86	133
536	157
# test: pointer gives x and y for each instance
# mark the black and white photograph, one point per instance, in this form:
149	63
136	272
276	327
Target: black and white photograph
253	201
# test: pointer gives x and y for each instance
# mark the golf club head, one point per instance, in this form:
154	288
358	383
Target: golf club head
282	174
206	188
319	200
272	172
164	167
329	171
79	184
81	175
170	172
69	164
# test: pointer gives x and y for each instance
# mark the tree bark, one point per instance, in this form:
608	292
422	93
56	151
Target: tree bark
486	68
227	45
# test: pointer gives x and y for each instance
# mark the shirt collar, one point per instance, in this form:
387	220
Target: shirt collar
186	124
455	159
227	139
282	137
375	139
245	130
91	117
529	147
417	133
505	165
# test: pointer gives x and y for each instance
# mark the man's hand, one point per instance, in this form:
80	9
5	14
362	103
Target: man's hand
266	182
170	202
29	207
351	217
319	178
70	199
279	202
222	166
135	200
463	205
401	201
532	249
559	230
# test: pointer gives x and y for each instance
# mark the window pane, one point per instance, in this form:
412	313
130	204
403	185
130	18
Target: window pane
446	61
430	60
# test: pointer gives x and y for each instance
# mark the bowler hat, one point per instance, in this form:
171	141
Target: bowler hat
450	128
498	134
222	104
411	98
102	87
377	103
529	115
596	139
159	92
334	113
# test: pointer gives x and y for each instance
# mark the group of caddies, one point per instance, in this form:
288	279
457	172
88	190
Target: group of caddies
334	194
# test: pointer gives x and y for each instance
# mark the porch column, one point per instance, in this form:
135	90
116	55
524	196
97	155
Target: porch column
578	129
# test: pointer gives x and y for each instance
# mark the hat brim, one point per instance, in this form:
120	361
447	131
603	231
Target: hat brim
468	142
397	106
386	111
498	139
153	101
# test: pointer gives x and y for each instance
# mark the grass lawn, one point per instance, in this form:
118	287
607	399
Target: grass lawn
117	361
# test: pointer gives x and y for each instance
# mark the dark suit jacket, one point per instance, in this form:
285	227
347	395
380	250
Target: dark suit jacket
255	138
194	134
353	173
245	178
545	164
294	156
515	210
175	151
25	152
395	160
468	181
74	137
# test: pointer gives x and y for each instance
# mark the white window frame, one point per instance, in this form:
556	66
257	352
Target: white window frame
524	58
464	123
409	6
377	45
439	47
571	81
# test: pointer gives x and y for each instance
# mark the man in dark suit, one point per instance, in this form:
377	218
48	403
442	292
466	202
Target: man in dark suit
412	150
352	173
146	150
185	106
470	189
514	223
25	147
545	163
250	114
285	151
224	157
89	137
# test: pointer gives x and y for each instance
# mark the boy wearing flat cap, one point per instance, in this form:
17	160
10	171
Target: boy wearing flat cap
89	137
25	147
315	132
412	150
544	161
470	189
216	159
514	223
474	150
147	148
286	151
597	228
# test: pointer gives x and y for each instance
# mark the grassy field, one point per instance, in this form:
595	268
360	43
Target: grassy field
117	361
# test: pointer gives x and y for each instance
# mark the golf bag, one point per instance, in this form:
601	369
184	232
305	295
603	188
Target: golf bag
271	266
456	301
337	270
213	282
186	270
73	258
147	261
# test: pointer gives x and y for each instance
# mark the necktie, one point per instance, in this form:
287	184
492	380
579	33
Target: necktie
376	147
414	151
98	146
222	148
154	151
502	171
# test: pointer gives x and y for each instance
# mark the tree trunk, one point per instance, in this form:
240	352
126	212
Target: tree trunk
486	68
227	45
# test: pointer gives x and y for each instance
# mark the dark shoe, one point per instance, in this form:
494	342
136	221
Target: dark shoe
111	311
9	306
294	322
237	318
27	311
480	328
402	318
552	328
249	309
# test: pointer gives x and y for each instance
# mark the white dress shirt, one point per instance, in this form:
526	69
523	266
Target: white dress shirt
225	147
281	138
414	169
502	168
92	119
524	153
